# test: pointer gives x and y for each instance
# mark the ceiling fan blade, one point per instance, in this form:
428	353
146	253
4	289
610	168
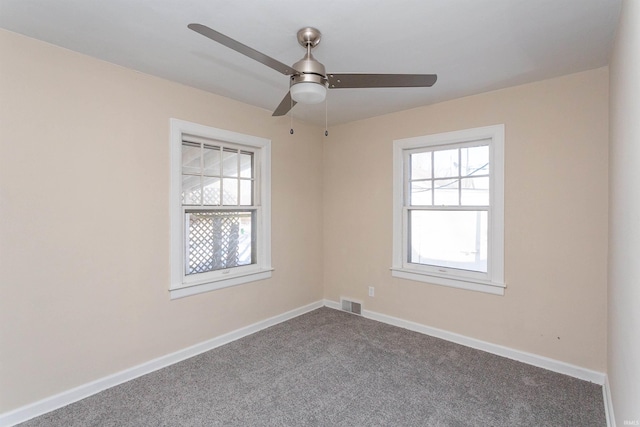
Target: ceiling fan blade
285	105
241	48
340	81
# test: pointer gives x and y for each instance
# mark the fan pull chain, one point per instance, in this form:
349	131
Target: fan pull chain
291	117
326	130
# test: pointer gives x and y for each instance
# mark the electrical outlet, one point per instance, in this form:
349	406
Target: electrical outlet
372	291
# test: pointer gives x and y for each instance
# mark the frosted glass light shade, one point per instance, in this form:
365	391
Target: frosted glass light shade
308	92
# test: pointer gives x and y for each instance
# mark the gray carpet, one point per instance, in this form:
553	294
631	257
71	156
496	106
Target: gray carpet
330	368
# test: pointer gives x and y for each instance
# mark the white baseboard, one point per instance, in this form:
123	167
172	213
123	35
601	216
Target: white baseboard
70	396
521	356
608	403
49	404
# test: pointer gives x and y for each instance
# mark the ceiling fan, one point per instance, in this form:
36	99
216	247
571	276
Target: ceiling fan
308	79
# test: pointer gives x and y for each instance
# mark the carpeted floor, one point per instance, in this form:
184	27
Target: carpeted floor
330	368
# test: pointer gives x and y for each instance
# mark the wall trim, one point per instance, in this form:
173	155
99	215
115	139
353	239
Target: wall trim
57	401
510	353
608	403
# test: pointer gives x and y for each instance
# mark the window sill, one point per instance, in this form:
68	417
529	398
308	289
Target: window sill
466	283
186	290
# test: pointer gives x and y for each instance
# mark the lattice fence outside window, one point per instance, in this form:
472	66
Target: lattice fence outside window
218	240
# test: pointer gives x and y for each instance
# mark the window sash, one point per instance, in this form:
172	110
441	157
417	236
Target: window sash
444	267
225	181
409	206
433	179
221	172
257	256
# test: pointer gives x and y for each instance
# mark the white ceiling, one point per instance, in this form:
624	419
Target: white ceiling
472	45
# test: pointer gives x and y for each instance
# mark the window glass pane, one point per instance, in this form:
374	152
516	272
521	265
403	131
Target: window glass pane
421	165
229	191
420	193
246	194
246	165
211	160
445	192
191	158
475	191
445	163
475	160
191	190
211	191
230	162
219	240
454	239
246	239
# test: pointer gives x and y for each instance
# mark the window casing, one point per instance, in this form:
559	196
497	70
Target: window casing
220	208
449	209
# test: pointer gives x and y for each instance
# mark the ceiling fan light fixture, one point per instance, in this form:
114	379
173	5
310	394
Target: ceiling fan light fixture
308	92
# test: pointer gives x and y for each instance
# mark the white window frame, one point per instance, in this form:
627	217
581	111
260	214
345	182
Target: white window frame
491	282
181	284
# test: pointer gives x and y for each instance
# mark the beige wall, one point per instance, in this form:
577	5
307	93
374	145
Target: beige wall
624	219
84	220
555	227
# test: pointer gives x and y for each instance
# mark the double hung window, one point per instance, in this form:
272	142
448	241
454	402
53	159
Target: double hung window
220	209
448	209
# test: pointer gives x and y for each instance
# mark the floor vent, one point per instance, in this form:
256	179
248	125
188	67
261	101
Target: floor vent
352	306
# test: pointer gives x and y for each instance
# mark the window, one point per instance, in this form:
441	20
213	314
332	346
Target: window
220	215
449	209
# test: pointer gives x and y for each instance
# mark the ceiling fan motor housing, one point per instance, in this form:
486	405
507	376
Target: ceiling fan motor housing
310	71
